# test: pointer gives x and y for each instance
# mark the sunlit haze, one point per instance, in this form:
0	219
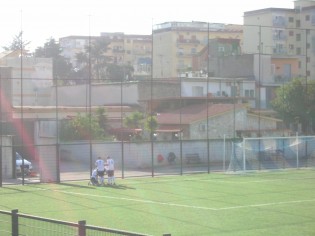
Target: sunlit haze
40	20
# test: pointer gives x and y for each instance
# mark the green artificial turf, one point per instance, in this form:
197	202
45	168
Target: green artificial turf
265	203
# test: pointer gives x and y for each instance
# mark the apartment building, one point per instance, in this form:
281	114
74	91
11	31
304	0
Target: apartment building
132	50
175	44
287	36
31	77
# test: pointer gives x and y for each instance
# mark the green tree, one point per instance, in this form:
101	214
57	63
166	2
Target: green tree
119	72
94	59
102	119
17	43
151	125
134	120
62	69
295	102
81	128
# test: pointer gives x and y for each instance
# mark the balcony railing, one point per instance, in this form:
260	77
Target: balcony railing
191	41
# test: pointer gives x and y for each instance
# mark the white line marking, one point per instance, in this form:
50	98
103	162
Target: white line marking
266	204
182	205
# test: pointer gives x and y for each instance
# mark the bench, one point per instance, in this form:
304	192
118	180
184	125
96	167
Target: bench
192	157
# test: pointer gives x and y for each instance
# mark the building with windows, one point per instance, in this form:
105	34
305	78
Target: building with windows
128	50
287	35
176	43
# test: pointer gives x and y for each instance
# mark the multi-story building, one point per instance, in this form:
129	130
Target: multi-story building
287	35
131	50
175	44
28	76
71	45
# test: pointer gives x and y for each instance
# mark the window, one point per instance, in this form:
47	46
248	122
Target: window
298	51
202	127
180	52
291	33
279	35
307	18
298	37
298	23
291	19
249	93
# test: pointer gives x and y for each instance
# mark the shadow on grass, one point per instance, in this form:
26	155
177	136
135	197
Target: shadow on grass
117	186
76	185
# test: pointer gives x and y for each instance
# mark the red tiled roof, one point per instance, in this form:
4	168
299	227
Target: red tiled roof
190	114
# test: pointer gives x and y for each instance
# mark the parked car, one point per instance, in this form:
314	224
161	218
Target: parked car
19	163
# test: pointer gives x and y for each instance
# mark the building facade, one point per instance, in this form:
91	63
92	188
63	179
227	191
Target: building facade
175	44
128	50
287	35
28	79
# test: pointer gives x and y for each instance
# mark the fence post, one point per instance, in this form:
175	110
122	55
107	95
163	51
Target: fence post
15	222
1	163
82	229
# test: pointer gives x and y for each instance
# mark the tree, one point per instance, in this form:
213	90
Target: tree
151	125
119	72
134	120
17	44
102	119
81	128
94	58
295	102
62	69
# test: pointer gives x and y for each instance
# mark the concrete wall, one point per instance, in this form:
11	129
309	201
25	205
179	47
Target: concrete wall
232	66
36	80
46	153
139	155
219	126
7	158
101	94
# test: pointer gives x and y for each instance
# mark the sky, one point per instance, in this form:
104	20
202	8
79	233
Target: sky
40	20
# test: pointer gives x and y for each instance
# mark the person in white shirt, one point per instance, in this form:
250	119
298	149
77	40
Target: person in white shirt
94	178
100	167
110	166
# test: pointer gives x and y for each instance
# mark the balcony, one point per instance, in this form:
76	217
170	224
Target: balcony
188	41
118	50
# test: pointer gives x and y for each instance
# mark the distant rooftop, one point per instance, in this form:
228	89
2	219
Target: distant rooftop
194	25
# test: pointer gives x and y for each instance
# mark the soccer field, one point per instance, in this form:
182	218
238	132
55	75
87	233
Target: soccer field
264	203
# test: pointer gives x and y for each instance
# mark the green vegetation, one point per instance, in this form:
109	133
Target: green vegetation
62	69
134	120
17	43
295	103
137	120
81	127
266	203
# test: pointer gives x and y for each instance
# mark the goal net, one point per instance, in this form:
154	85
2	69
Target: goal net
272	153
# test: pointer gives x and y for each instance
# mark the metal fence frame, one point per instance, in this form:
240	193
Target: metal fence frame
79	229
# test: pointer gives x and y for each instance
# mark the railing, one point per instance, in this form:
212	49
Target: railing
15	224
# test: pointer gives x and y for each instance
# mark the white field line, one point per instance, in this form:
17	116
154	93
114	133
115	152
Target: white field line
182	205
253	181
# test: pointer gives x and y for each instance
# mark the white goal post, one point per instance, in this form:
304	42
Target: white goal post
266	153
